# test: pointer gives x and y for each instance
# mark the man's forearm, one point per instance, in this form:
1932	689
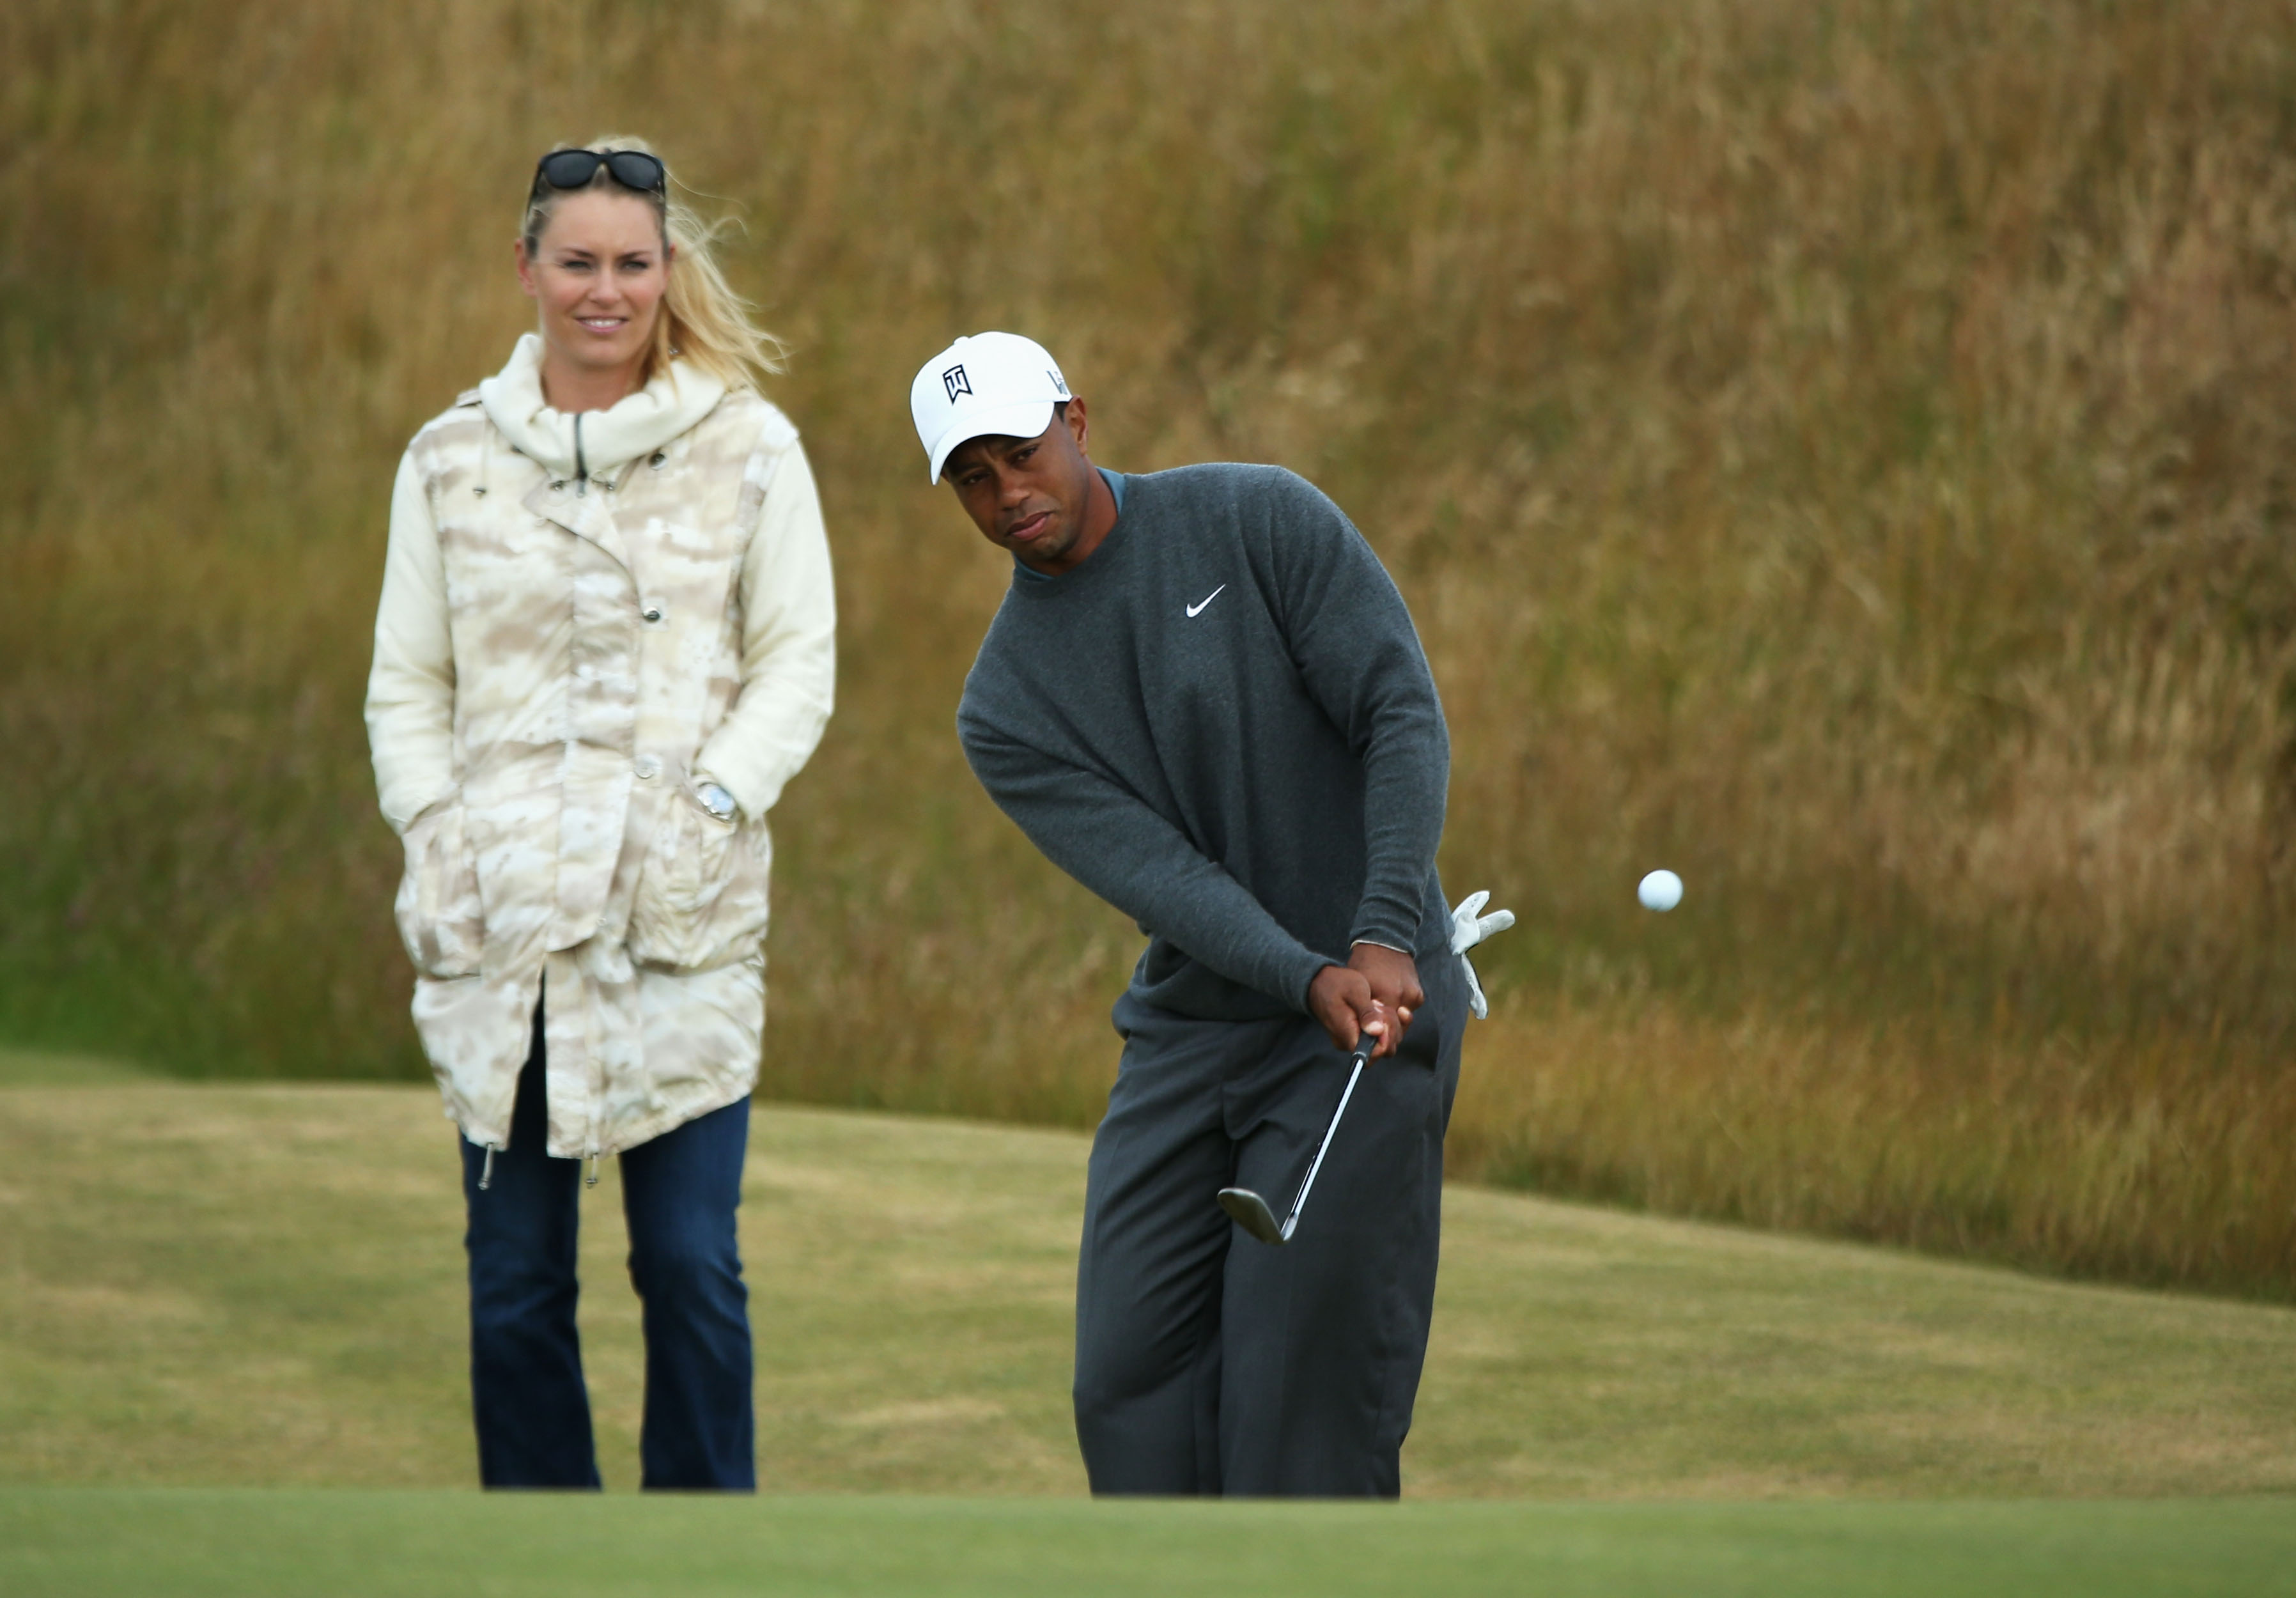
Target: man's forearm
1406	776
1135	860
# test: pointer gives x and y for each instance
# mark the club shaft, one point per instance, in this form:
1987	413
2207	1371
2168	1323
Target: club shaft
1300	1203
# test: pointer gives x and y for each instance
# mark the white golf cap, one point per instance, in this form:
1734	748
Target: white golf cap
990	383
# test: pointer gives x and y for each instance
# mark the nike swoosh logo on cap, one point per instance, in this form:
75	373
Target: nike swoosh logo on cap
1197	608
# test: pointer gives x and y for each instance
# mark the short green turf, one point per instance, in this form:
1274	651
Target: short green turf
71	1543
213	1286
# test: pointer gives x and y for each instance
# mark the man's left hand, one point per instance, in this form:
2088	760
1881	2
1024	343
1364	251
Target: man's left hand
1394	978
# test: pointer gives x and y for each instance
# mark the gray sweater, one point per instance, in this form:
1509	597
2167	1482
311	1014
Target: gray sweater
1222	723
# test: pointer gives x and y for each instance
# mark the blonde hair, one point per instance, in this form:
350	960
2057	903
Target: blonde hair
703	322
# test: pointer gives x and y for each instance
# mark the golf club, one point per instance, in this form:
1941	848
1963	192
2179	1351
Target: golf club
1250	1211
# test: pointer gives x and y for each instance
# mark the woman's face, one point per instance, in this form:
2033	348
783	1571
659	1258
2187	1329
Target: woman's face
598	273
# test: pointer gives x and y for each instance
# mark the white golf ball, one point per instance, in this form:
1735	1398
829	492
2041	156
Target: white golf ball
1660	890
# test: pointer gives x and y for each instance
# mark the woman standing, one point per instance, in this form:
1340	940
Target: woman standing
605	643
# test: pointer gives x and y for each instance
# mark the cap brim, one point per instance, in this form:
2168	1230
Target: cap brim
1006	421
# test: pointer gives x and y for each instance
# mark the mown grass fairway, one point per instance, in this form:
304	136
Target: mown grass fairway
206	1286
55	1544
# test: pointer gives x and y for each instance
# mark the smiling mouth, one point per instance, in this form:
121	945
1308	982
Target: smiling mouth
601	325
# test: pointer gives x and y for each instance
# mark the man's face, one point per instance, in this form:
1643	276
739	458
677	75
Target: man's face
1029	496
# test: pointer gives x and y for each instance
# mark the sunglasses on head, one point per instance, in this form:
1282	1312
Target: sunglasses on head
574	170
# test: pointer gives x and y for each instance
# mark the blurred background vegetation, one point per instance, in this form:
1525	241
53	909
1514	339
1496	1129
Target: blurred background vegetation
1841	449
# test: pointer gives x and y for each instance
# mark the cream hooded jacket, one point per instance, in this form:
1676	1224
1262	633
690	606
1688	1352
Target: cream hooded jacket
583	620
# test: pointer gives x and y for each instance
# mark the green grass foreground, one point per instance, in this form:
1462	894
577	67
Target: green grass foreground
186	1544
261	1286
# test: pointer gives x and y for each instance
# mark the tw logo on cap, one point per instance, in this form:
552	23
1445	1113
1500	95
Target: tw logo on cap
954	381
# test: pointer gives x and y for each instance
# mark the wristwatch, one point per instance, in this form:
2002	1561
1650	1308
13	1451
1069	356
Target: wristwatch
716	802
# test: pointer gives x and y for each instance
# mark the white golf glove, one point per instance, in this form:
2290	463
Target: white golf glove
1469	928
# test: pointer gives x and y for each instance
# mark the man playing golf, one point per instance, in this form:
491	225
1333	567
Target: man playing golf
1204	700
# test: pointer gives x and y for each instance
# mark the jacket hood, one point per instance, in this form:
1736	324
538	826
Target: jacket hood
639	424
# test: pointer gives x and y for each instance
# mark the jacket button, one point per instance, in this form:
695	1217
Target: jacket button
653	613
648	767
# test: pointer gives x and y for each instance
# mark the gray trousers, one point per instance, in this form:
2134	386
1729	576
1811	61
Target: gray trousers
1208	1362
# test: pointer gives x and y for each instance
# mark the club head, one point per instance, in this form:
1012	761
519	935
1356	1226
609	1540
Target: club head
1250	1211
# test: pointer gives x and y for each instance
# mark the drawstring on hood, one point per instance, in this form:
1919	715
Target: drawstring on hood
573	444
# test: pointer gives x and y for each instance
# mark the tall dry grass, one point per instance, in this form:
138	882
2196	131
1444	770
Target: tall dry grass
1840	450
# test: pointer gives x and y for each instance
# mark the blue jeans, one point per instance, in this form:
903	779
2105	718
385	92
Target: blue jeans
679	1193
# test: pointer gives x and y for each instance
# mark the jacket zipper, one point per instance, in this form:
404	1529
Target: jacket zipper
581	466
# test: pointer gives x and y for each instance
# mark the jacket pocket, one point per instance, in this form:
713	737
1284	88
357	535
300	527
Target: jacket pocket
439	916
701	899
